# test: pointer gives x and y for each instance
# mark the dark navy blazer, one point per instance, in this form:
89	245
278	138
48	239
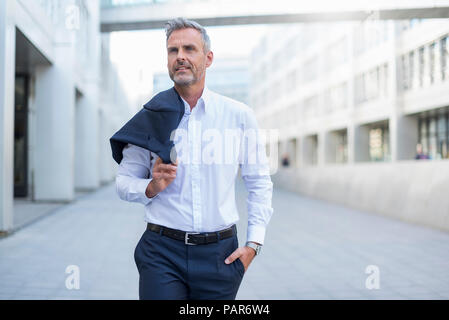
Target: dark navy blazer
152	126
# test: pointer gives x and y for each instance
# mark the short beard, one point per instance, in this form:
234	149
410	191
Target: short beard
182	82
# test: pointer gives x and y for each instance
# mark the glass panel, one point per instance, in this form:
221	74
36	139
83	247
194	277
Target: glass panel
20	137
386	144
375	144
342	147
444	58
433	138
432	62
442	124
411	71
421	66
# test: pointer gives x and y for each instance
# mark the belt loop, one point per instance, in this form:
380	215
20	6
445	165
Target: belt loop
160	230
218	236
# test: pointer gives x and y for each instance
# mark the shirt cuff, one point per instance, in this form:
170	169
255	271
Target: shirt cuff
142	187
256	233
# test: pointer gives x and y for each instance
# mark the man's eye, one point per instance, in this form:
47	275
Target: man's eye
172	50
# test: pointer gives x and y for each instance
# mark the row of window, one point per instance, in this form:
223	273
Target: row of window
434	136
371	85
425	66
368	35
433	141
378	141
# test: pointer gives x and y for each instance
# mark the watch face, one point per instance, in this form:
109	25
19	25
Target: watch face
256	247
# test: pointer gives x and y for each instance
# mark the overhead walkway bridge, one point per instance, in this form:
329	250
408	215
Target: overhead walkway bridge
127	15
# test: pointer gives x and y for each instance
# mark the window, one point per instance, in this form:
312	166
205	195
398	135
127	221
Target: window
403	85
341	150
432	138
421	66
411	70
424	135
432	63
372	84
379	146
444	58
442	136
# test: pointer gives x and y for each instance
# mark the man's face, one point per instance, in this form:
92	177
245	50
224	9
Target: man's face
187	61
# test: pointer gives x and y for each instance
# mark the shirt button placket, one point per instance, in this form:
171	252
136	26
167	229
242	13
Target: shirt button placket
195	147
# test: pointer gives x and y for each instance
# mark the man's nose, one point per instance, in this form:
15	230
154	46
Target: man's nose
181	55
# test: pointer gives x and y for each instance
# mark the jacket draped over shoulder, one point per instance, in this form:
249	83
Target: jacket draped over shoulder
151	127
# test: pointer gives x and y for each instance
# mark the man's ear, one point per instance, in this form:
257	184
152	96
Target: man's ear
209	58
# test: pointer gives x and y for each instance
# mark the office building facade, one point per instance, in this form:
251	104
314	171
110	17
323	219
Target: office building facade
353	102
60	102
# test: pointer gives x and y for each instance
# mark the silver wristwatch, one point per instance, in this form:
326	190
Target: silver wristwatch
256	247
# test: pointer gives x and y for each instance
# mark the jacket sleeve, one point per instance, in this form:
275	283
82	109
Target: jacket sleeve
134	175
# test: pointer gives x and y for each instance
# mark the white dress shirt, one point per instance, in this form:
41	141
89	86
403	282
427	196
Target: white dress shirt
202	196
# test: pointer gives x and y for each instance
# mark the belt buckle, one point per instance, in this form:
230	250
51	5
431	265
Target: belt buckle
186	238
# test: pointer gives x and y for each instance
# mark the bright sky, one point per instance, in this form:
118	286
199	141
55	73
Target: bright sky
145	50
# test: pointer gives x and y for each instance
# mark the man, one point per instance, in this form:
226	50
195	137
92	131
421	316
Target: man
190	248
420	155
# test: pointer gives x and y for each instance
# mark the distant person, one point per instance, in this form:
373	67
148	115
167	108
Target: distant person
285	160
190	248
420	155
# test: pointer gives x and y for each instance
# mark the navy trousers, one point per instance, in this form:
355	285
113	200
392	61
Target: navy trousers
171	270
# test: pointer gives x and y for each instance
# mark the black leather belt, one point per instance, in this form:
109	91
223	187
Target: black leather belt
193	238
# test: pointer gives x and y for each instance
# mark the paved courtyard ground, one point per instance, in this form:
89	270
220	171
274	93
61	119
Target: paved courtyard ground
313	250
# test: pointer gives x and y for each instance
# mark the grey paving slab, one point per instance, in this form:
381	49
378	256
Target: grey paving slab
313	250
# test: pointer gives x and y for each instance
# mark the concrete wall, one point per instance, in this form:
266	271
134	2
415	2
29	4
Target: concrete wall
76	101
7	59
412	191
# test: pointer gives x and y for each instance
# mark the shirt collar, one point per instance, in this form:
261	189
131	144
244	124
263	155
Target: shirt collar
203	102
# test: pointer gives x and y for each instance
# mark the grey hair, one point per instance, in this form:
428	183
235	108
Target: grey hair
182	23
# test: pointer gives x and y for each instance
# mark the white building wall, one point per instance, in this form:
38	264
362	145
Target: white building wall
322	58
7	59
76	101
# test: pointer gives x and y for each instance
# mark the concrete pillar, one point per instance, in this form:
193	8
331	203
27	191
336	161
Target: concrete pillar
403	129
55	127
403	136
105	155
298	152
360	139
330	147
351	97
309	150
322	147
351	143
292	151
87	176
7	80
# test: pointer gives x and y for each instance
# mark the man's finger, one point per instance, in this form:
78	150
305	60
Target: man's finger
167	166
236	254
